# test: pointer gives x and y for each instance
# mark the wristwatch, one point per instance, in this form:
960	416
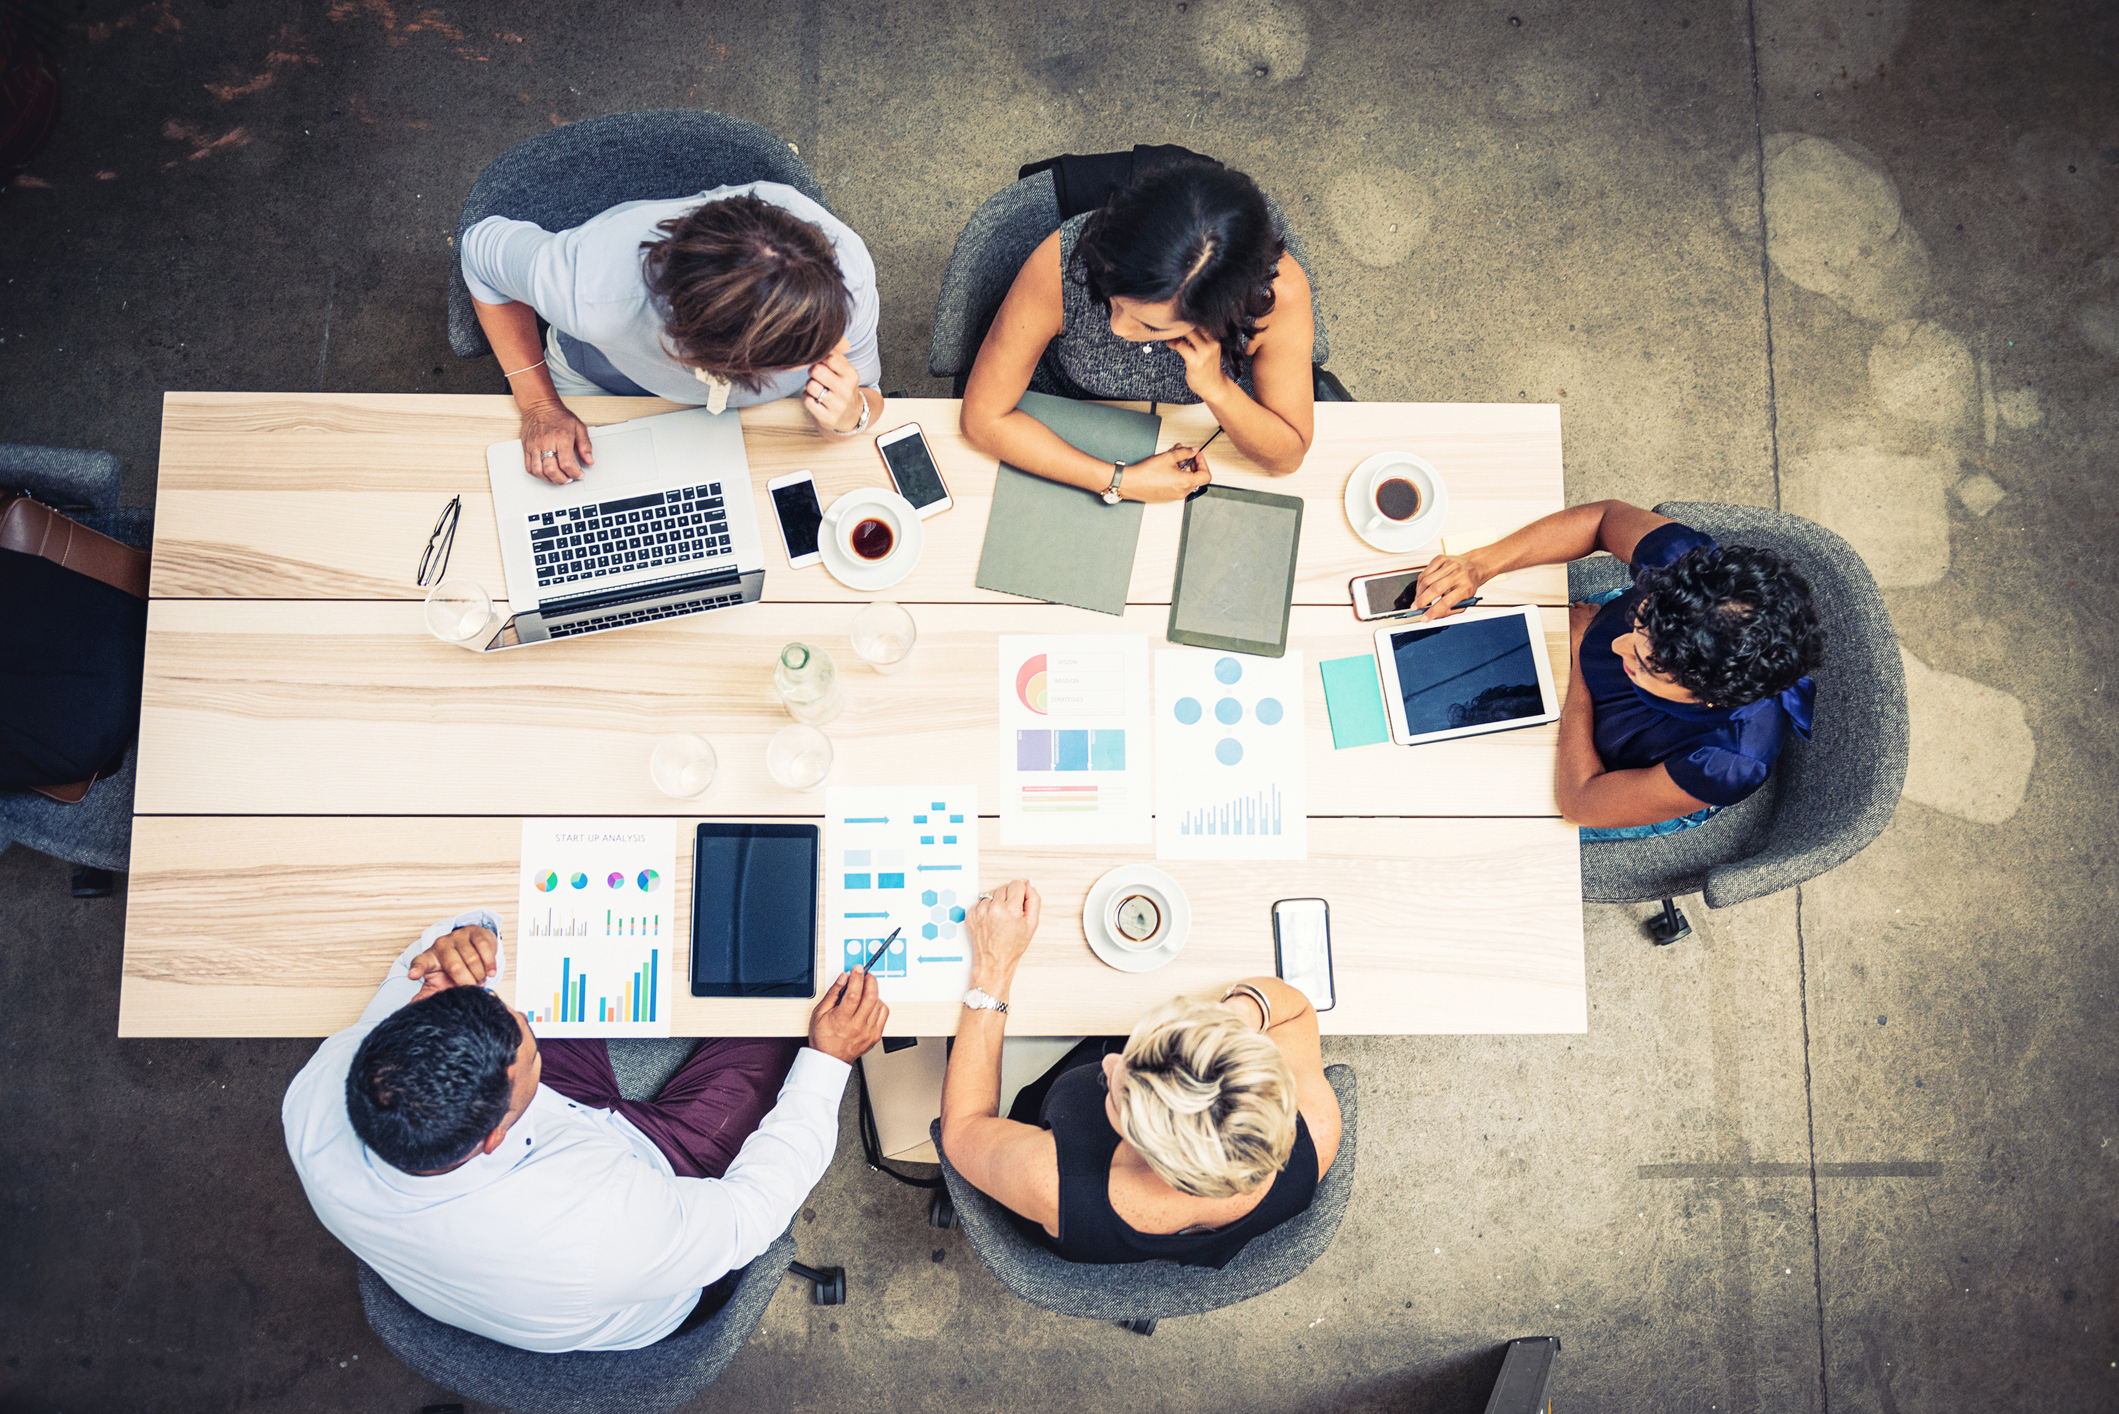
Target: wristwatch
983	1001
1118	474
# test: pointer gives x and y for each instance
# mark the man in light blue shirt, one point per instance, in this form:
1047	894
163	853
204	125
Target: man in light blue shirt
737	296
542	1217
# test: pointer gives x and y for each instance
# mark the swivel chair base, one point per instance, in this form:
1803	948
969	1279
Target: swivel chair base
1669	925
830	1282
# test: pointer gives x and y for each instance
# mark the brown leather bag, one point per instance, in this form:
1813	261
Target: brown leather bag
30	527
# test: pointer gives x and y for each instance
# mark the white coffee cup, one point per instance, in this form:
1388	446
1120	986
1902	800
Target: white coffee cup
1137	918
1419	478
860	542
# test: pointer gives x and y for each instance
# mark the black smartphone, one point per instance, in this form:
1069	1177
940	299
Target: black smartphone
754	911
1302	948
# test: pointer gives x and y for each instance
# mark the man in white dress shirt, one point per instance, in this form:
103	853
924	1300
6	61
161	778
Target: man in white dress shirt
737	296
555	1216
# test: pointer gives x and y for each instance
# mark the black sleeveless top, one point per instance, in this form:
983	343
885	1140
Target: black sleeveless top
1091	1231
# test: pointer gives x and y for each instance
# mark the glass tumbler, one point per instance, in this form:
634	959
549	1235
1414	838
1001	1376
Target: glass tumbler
682	766
883	634
459	611
799	757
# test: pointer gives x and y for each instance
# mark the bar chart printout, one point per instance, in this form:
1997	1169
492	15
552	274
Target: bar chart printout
1230	778
595	951
904	859
1074	726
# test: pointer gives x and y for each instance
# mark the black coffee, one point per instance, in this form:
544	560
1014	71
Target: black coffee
872	539
1398	498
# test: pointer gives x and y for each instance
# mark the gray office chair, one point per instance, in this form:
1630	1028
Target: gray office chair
559	179
993	246
652	1380
95	834
1827	797
1139	1294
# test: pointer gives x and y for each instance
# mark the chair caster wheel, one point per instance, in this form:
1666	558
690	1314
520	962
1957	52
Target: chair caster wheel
1668	926
830	1282
1140	1325
940	1211
92	883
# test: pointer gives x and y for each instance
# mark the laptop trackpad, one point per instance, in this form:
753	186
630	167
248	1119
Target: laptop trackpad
624	454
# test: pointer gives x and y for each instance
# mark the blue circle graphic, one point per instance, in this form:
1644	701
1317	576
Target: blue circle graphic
1269	711
1228	670
1188	710
1228	751
1228	711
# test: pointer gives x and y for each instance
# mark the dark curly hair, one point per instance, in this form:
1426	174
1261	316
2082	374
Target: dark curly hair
1193	232
431	1082
1728	623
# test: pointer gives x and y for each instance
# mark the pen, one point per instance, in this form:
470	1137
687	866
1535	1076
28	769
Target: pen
1416	613
871	959
1192	461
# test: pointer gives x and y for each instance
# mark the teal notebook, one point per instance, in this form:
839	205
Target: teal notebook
1045	540
1353	699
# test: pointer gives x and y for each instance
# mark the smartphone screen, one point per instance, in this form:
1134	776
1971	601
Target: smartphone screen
1302	947
800	515
754	911
1379	596
912	467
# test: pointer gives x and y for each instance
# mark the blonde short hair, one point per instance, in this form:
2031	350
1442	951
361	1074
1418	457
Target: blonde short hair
1208	1102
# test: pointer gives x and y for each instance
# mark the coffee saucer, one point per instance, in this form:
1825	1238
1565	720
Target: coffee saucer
862	575
1397	538
1153	882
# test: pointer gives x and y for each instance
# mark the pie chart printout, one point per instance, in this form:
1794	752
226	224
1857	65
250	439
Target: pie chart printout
545	880
1030	684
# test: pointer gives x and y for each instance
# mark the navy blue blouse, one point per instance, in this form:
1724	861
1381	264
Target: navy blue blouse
1715	754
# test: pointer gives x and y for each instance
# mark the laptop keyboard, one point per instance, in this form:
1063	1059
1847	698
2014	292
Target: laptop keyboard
639	532
641	616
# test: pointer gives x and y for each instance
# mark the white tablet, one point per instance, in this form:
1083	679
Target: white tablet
1484	670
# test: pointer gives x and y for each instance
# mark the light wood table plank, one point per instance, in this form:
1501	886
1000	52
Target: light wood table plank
283	927
331	496
305	707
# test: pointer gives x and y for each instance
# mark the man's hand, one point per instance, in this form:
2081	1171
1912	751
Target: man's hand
1166	476
1000	927
1447	581
833	393
1204	373
848	1019
463	958
555	443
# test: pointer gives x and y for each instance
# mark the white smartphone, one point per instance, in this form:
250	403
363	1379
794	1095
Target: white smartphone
795	504
1384	596
1302	948
910	462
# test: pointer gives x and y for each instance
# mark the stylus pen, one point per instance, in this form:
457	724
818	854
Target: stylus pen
1416	613
871	959
1189	462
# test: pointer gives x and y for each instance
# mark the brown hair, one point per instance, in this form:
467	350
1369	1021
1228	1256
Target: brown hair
750	289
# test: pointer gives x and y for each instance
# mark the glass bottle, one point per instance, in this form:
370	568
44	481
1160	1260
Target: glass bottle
808	683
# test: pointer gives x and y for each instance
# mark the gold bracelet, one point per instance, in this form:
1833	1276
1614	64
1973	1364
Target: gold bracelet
1265	1008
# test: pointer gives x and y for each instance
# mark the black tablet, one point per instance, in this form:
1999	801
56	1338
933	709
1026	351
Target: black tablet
1236	571
754	911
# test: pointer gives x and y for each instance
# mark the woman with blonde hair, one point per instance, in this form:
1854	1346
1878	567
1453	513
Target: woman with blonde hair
1210	1124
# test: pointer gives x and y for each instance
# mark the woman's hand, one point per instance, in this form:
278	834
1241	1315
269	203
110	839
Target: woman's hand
833	396
1447	581
555	443
1169	475
1204	373
1000	927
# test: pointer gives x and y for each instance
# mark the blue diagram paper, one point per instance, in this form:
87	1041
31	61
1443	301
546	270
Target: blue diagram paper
595	945
903	857
1074	739
1231	780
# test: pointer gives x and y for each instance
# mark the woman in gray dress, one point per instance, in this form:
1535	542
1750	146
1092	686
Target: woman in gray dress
1178	289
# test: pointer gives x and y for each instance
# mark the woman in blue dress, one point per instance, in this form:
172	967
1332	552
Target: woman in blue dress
1684	685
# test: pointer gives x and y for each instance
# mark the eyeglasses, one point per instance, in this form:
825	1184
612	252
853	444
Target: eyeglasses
435	562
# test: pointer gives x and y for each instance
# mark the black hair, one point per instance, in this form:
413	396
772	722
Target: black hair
431	1082
1728	623
1193	232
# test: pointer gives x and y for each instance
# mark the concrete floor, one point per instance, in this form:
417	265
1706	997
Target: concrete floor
1851	257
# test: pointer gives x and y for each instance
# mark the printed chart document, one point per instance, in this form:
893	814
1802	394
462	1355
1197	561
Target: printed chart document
902	857
1074	739
596	945
1230	779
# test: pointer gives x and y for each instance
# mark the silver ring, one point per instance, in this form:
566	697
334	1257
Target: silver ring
548	454
984	897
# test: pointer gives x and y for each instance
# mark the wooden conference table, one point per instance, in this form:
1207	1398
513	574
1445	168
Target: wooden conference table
319	779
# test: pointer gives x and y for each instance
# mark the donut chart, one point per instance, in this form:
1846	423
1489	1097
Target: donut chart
1030	683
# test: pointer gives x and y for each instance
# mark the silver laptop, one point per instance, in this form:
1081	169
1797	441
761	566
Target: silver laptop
662	524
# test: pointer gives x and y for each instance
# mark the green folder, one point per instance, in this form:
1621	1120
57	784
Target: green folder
1353	699
1046	540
